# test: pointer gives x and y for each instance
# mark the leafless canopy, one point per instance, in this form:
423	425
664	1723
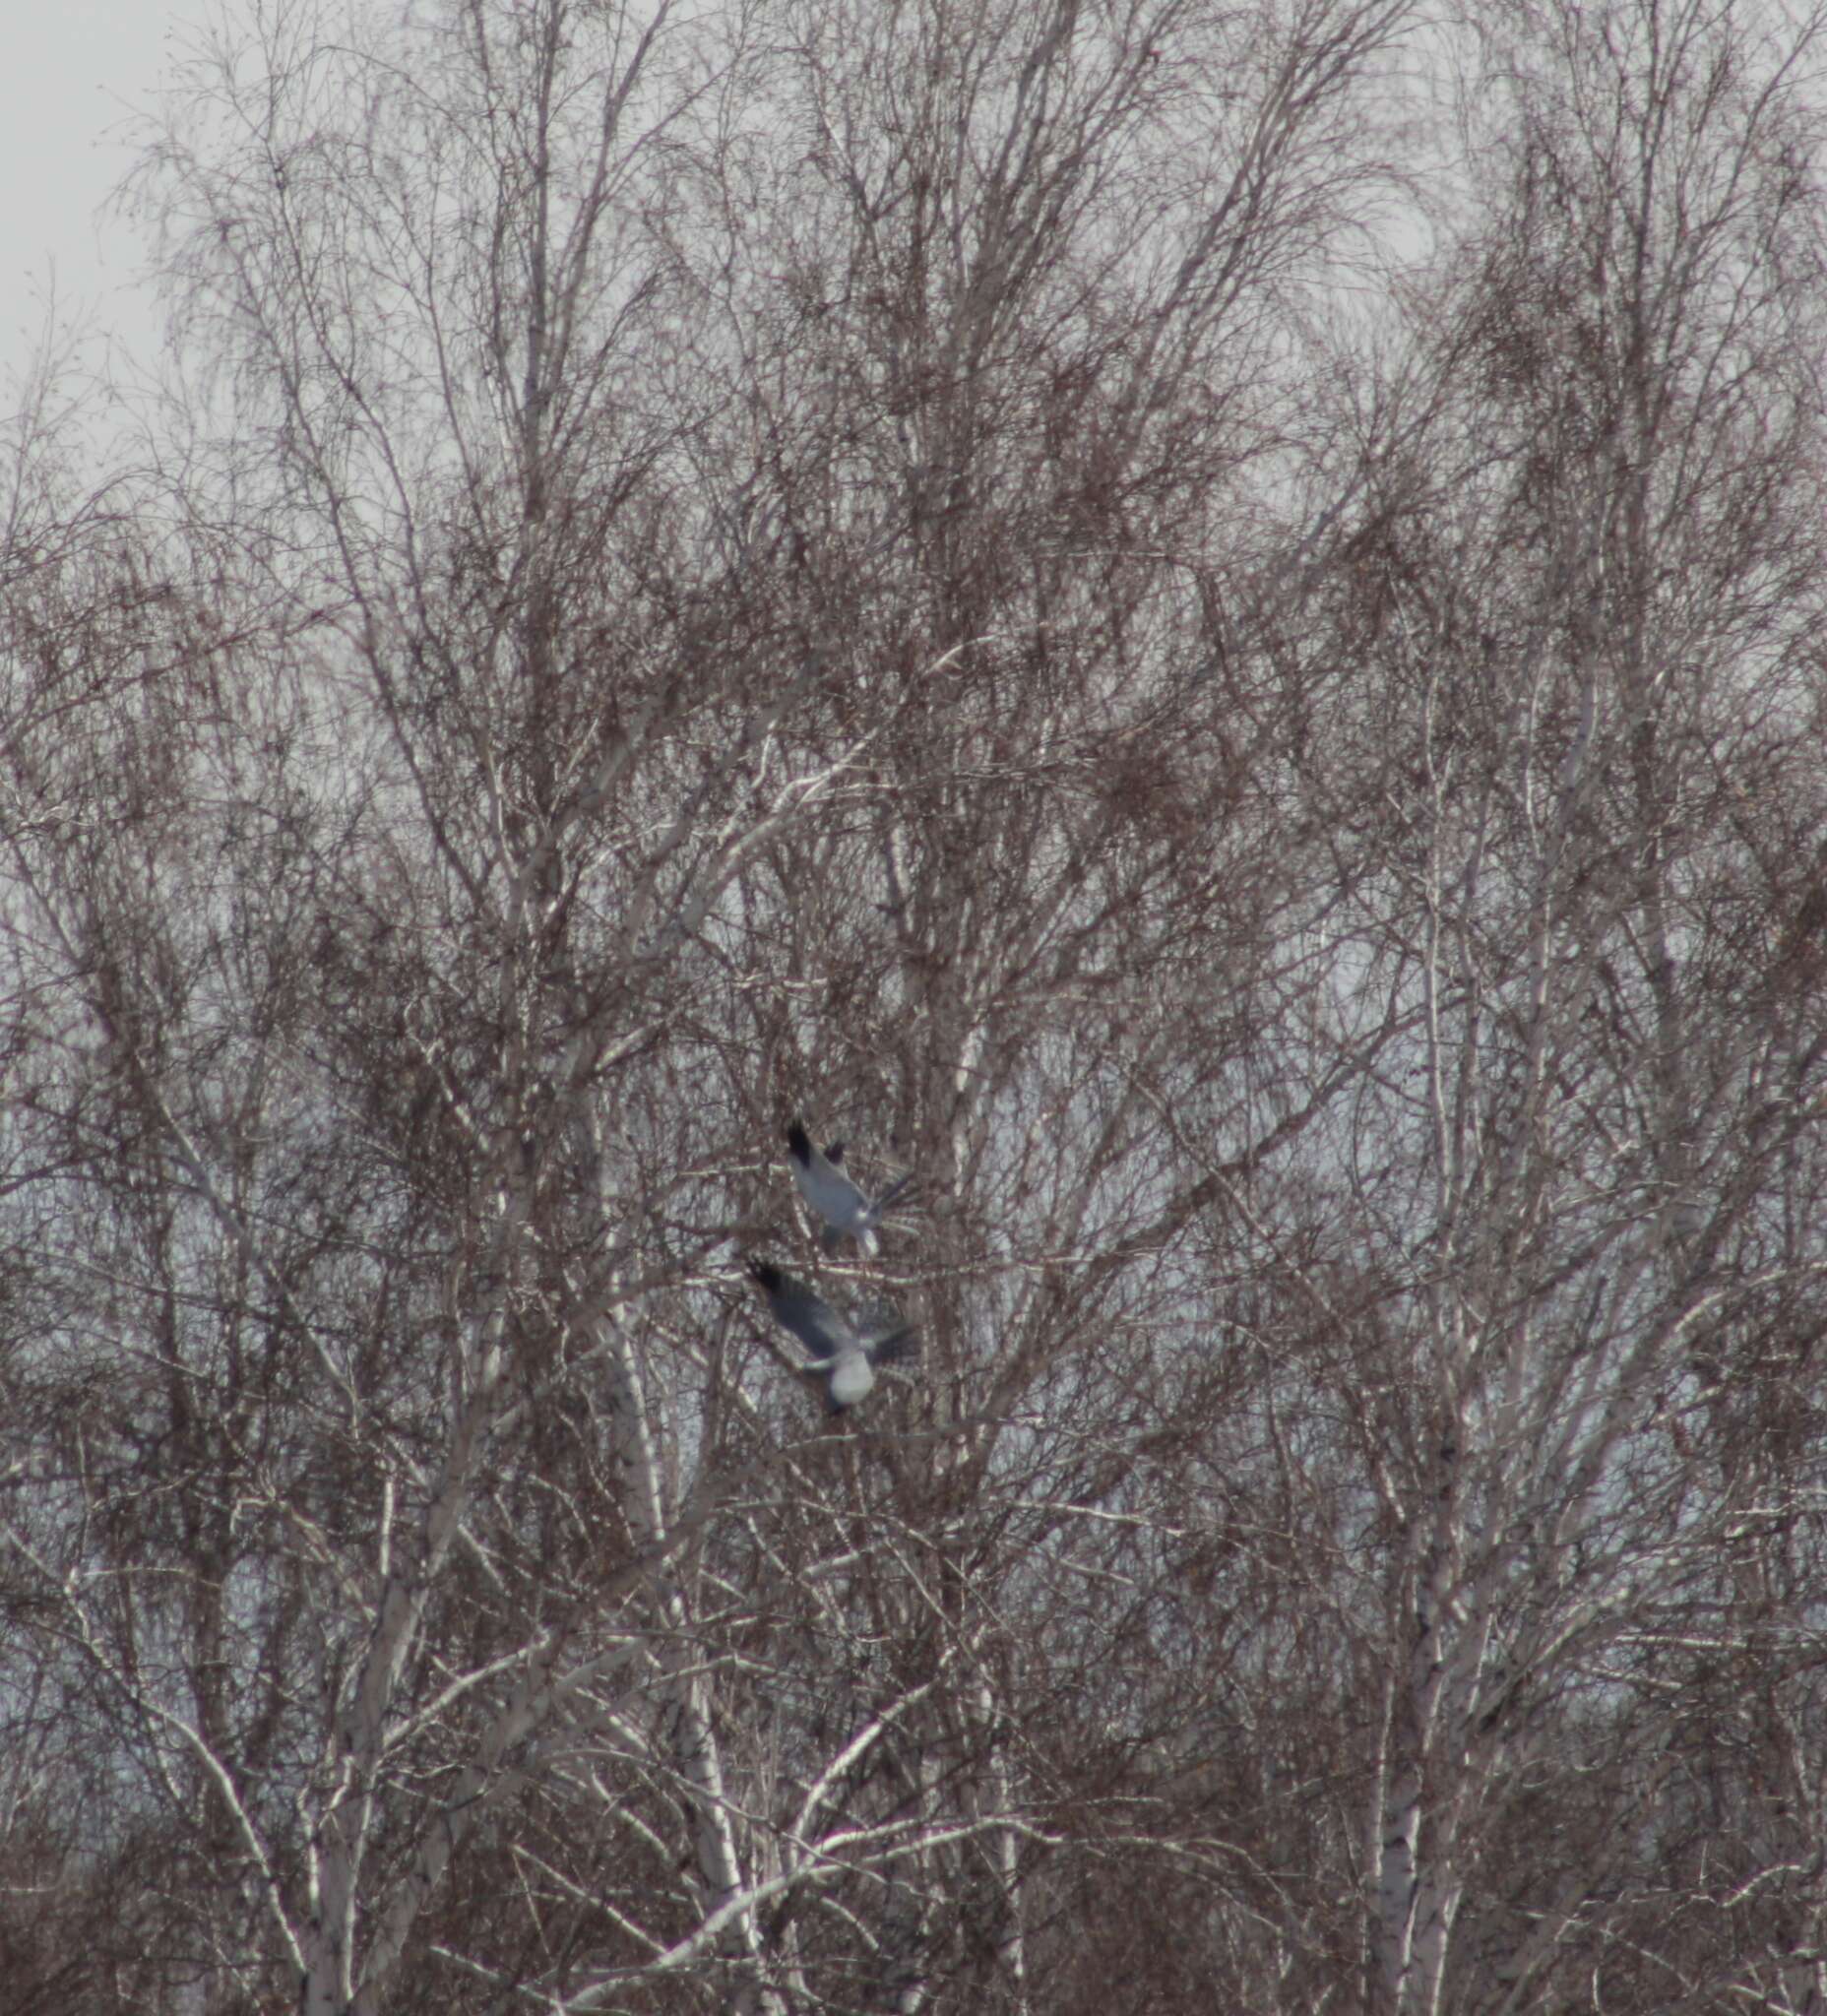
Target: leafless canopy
1201	625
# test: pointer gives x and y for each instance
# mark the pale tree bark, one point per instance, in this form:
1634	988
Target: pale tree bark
858	562
1547	1510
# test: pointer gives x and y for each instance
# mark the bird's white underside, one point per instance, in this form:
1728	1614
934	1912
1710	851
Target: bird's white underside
851	1379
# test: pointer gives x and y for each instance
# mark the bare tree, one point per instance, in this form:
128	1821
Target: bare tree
921	565
1585	613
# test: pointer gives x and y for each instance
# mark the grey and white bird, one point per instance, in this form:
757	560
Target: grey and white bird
843	1354
833	1198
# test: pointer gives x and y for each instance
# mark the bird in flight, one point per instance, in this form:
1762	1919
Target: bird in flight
838	1204
843	1354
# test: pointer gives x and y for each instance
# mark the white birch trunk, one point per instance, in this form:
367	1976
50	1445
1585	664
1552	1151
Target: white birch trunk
1414	1907
356	1739
695	1753
1011	1942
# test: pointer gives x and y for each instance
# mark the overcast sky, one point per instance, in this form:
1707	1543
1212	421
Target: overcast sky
74	74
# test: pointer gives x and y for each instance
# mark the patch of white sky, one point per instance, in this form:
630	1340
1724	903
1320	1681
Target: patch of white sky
81	79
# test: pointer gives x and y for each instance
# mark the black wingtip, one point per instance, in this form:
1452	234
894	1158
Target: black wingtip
834	1153
800	1142
765	1273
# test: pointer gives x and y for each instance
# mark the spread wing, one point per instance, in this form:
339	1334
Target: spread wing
897	1346
891	1195
886	1335
811	1318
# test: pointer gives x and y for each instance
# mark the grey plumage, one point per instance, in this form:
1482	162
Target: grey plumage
843	1353
841	1206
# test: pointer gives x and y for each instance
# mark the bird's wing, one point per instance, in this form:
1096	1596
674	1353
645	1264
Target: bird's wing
895	1346
886	1335
811	1318
891	1195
